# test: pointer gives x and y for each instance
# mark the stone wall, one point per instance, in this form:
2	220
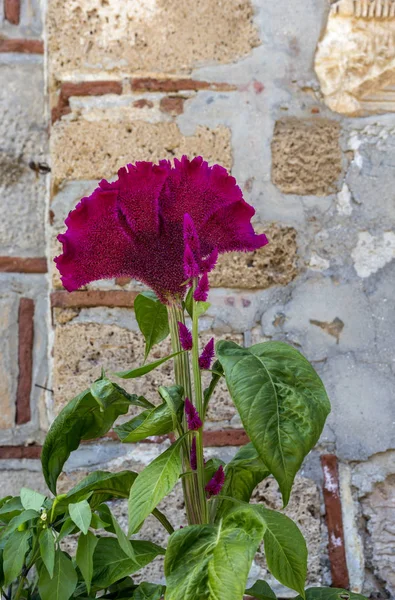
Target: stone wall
295	98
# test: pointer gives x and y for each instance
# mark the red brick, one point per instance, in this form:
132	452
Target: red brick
173	105
12	11
334	521
22	46
150	84
25	360
83	88
92	298
10	452
143	103
13	264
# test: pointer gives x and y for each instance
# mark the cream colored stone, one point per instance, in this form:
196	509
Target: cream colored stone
8	357
12	480
355	59
379	510
373	253
135	36
306	156
92	150
273	264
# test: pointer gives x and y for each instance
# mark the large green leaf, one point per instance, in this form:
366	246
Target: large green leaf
320	593
157	421
152	318
81	515
23	517
84	556
217	373
242	474
261	591
47	550
14	554
132	374
110	563
153	484
285	549
64	581
148	591
100	486
212	562
281	400
31	499
90	415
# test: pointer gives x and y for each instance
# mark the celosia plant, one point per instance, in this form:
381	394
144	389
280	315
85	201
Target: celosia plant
165	225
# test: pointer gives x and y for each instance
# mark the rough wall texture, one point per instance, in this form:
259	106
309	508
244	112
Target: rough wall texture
295	98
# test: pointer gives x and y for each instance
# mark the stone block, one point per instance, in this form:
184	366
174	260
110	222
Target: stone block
354	60
92	150
274	264
83	347
378	509
12	480
306	156
8	360
24	144
146	36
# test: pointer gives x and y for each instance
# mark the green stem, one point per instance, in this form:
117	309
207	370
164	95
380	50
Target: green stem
19	589
163	520
197	380
183	378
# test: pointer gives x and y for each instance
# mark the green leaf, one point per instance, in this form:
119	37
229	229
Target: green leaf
84	556
31	499
122	539
81	515
188	302
47	550
10	509
282	403
148	591
146	368
242	474
152	319
174	398
201	308
23	517
153	484
101	486
158	421
110	563
320	593
261	591
213	561
90	415
14	554
64	581
67	528
216	376
285	549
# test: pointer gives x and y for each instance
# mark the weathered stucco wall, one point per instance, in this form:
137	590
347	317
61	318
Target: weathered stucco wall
297	100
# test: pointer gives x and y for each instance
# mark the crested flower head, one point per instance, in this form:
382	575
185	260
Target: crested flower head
216	483
193	420
185	336
207	355
208	264
191	267
136	226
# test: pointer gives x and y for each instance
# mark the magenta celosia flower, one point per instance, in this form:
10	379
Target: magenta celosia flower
193	420
202	290
193	457
191	237
207	355
134	227
216	483
185	336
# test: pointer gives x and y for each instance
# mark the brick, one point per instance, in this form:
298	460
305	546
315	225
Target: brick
151	84
92	150
92	298
19	452
132	39
22	46
174	105
83	88
25	360
274	264
306	156
23	131
334	521
13	264
12	11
